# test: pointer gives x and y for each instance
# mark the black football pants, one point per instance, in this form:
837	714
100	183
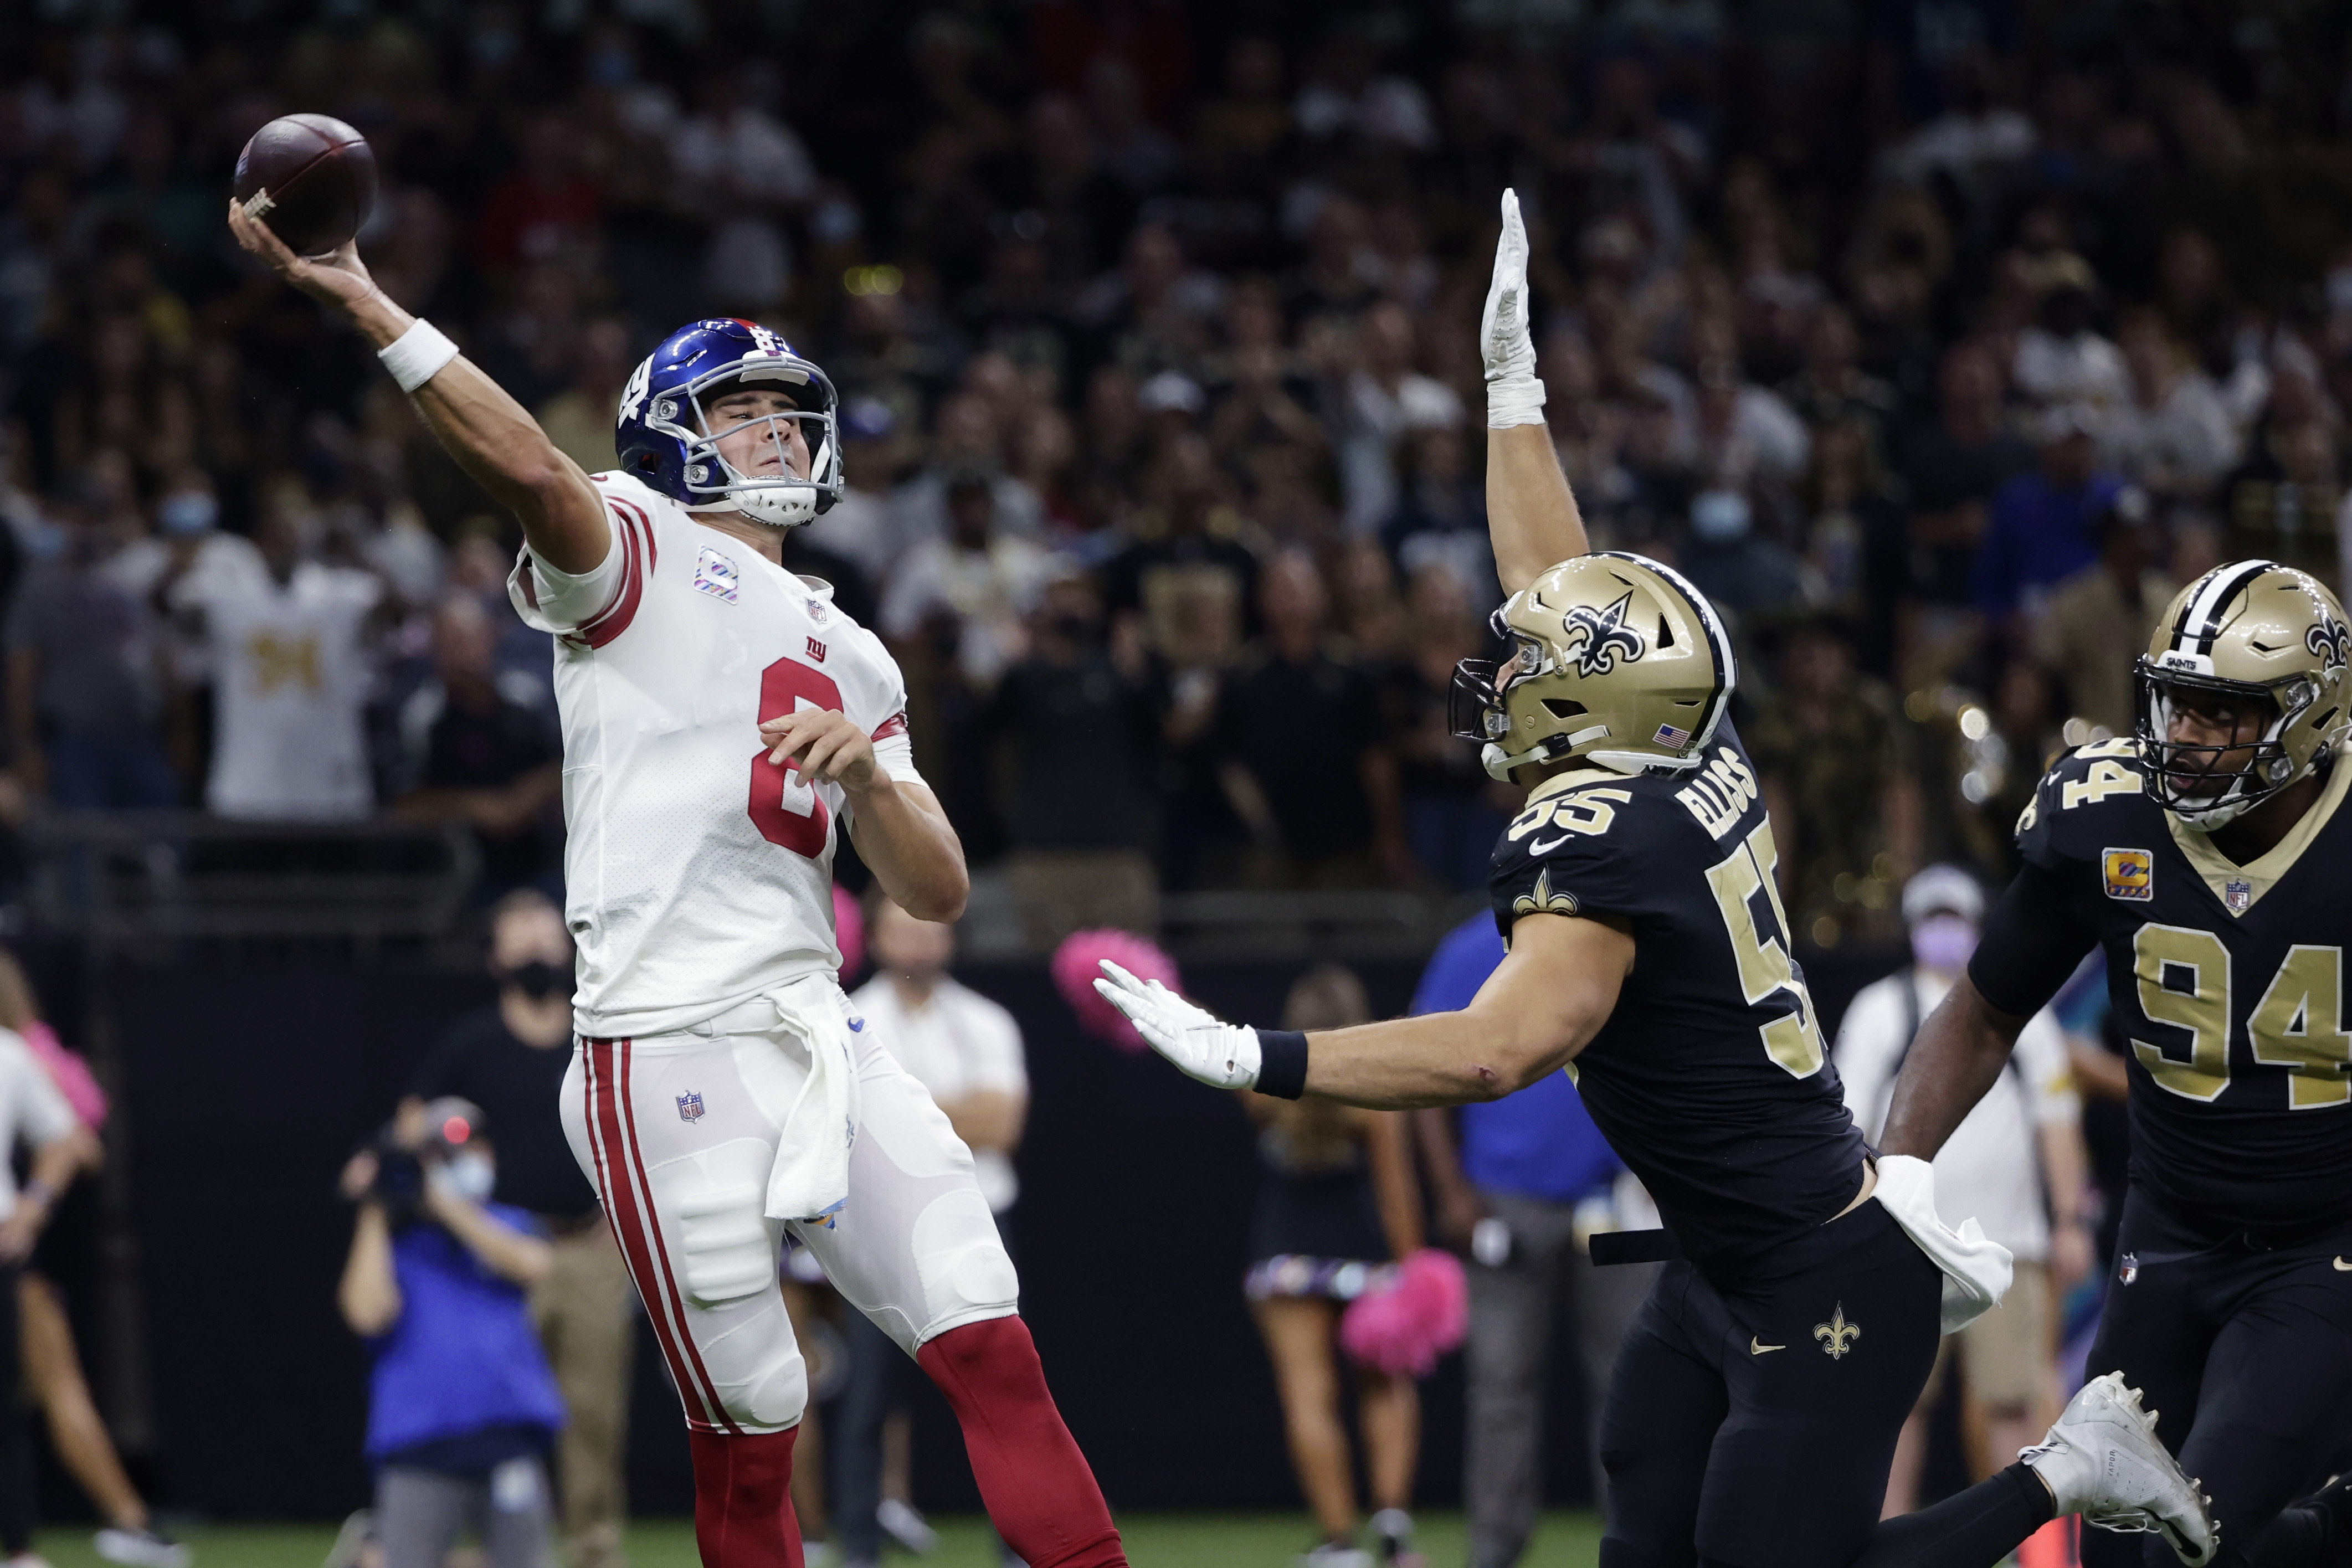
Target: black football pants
1752	1424
2246	1354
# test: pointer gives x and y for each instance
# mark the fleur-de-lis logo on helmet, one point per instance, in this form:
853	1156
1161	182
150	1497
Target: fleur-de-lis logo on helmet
2330	641
1596	638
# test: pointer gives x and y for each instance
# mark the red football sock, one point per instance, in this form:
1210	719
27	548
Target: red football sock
1040	1494
744	1499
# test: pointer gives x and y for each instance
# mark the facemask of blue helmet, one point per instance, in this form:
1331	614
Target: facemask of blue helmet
718	485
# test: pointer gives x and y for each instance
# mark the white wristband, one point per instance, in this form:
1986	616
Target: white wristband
417	356
1516	398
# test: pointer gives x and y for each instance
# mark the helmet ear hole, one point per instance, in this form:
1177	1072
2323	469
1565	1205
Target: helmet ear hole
1561	707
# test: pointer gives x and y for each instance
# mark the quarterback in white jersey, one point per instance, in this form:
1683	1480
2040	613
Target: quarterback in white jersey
722	720
670	654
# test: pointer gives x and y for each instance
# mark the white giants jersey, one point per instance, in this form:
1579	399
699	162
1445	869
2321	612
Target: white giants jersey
698	875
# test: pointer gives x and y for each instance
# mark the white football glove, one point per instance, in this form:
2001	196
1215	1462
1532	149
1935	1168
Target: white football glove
1223	1055
1506	330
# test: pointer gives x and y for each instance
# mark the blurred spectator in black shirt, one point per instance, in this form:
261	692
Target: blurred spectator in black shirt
1835	756
1442	519
1305	762
1953	467
1076	738
1086	211
85	680
2283	503
580	419
1833	388
1733	564
484	757
1187	541
1451	820
511	1058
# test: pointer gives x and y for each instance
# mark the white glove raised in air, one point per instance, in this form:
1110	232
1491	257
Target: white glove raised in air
1224	1055
1505	332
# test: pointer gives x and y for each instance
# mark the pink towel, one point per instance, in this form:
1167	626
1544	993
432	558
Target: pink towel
1403	1327
69	1072
1076	962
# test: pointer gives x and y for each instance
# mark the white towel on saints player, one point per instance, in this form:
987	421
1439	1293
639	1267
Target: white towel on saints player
1977	1268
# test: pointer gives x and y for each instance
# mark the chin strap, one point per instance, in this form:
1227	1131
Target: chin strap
1501	764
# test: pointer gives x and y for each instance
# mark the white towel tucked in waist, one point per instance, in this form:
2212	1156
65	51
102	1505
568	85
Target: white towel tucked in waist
811	1176
1977	1268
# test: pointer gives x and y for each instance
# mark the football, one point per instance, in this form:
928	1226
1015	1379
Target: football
310	177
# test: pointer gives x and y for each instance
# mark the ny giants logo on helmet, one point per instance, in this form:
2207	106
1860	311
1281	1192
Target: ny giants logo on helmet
633	395
1595	638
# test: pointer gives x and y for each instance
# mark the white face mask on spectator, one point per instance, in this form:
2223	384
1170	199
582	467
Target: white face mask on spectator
470	1175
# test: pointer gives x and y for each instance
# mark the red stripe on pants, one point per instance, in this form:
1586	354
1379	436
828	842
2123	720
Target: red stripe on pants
616	1176
652	1218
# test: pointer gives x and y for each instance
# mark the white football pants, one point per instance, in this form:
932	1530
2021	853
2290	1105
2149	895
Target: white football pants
678	1133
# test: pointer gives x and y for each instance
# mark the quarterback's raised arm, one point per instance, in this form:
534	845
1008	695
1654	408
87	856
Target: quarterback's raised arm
1542	1005
493	437
1530	512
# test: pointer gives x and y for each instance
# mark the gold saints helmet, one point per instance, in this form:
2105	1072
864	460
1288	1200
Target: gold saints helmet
2252	633
1615	657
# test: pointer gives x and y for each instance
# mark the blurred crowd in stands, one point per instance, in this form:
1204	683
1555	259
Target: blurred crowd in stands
1935	339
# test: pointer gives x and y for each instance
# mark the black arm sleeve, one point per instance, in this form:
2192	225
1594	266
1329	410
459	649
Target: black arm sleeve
2031	943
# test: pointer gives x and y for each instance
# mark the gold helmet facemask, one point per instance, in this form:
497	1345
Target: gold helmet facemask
1615	657
2250	633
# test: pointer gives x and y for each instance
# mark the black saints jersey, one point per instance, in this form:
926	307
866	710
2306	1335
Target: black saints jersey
1709	1079
2226	982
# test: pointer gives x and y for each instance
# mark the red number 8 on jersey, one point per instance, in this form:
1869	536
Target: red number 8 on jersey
785	811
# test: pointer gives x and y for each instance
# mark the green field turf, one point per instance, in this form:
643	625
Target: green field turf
1153	1541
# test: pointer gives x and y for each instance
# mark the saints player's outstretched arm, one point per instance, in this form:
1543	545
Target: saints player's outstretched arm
492	437
1531	515
1542	1005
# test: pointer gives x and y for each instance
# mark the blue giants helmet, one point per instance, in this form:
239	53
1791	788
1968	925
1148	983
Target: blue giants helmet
666	439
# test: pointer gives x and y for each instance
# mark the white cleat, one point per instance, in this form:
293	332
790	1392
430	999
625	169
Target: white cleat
2103	1461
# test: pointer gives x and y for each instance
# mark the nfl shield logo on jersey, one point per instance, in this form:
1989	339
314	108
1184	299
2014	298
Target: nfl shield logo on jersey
689	1106
2238	895
2130	1269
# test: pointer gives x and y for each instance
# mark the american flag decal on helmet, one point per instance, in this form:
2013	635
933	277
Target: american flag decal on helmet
1669	735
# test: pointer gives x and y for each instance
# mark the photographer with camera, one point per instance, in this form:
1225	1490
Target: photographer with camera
462	1408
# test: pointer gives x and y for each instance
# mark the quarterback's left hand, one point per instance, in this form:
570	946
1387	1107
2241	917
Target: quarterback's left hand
826	746
1223	1055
